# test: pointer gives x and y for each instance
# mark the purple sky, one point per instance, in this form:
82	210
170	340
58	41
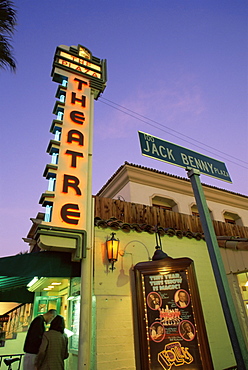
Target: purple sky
179	63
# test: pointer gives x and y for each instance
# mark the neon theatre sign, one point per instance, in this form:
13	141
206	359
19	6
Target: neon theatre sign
81	78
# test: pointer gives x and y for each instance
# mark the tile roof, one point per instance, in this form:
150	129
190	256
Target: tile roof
115	224
230	242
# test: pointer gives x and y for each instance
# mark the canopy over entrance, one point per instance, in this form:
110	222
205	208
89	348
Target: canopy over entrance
17	271
14	289
40	264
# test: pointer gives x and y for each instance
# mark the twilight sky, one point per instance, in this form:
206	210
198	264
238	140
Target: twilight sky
177	69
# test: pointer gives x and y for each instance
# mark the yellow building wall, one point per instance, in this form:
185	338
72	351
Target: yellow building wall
71	363
13	346
113	322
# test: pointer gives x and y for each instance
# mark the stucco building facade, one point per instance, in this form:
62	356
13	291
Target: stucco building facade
138	204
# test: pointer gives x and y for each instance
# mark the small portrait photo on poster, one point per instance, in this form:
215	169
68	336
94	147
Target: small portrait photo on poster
157	332
182	298
154	301
187	330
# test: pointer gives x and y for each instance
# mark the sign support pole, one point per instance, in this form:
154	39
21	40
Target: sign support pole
85	355
232	322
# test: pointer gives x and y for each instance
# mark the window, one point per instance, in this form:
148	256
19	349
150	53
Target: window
229	221
164	203
195	212
162	207
232	218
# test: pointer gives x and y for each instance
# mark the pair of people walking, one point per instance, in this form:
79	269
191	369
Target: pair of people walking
46	350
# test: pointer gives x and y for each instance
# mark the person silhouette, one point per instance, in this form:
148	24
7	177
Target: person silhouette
54	347
34	337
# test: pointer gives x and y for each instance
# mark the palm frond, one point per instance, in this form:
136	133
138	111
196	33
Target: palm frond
6	58
7	27
7	17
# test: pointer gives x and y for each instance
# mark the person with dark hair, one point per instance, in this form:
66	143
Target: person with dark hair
188	333
182	299
34	338
54	347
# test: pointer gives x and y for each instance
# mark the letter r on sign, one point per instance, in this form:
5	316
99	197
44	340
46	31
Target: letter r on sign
71	182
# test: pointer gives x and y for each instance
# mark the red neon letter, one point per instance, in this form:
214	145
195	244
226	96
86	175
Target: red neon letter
77	136
66	213
80	83
74	156
77	117
71	182
74	99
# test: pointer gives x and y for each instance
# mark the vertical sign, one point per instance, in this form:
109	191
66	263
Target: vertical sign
172	331
81	78
69	206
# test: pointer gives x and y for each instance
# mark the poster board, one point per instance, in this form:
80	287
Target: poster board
171	328
74	324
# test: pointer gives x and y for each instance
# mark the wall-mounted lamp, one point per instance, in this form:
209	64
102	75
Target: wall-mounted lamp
159	254
112	250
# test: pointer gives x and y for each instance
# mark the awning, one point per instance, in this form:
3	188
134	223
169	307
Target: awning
17	271
54	264
14	289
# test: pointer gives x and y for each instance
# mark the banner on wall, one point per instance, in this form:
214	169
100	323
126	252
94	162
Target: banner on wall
171	331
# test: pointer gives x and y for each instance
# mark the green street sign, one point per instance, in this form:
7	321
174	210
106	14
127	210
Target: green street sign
165	151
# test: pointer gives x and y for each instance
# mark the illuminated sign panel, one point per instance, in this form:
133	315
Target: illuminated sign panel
81	78
69	207
79	60
171	326
79	68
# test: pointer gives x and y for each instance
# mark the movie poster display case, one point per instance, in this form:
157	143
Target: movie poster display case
171	328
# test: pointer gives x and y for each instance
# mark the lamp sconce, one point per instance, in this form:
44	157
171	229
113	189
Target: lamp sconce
158	254
112	245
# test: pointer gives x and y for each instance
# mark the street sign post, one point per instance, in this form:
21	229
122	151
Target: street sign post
165	151
234	329
196	163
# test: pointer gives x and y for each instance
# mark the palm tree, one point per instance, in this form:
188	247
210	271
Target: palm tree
7	27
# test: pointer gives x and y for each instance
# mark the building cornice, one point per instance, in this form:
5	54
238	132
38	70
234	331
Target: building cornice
161	180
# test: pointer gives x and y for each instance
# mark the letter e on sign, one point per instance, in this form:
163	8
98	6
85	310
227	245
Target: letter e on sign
69	215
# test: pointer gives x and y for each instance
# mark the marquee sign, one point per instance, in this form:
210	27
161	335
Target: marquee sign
81	78
79	60
78	64
171	331
165	151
